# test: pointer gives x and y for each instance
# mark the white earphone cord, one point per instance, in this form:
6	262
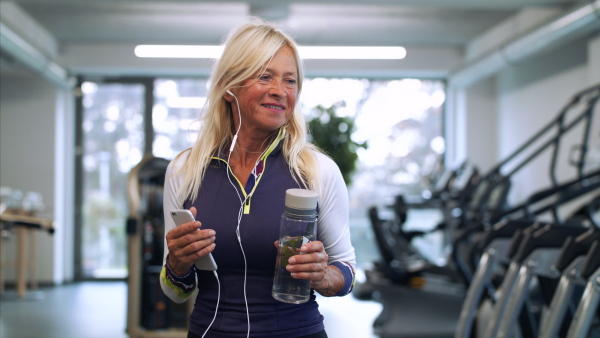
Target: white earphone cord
240	212
217	307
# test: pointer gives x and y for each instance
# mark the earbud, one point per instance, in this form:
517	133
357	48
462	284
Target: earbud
240	115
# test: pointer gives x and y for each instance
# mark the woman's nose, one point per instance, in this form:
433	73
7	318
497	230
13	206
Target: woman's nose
277	89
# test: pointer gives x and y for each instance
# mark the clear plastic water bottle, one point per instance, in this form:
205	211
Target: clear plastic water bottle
298	227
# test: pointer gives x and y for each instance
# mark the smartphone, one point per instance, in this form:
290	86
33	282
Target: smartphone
182	216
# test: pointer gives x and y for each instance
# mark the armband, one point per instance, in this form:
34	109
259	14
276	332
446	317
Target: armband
349	277
175	276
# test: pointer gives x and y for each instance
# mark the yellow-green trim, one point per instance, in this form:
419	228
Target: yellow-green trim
178	291
272	146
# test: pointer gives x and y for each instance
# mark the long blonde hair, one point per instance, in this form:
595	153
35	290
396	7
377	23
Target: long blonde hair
247	50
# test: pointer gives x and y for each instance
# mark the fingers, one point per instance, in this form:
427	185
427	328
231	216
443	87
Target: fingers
311	264
183	230
311	252
194	211
187	243
192	242
184	251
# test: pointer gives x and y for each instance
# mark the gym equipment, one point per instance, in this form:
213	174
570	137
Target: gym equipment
535	257
589	304
149	311
407	313
510	260
498	247
497	242
568	293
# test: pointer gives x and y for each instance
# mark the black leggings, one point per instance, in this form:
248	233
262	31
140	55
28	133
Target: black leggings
321	334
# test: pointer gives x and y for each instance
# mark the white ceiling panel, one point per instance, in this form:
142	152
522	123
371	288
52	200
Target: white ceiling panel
436	25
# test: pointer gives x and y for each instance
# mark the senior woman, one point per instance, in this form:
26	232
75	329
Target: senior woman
251	148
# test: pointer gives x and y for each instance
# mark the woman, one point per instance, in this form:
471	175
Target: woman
252	147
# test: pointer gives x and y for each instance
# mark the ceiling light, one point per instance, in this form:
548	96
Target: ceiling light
351	52
178	51
306	52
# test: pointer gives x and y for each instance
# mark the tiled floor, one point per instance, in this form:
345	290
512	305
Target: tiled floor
98	310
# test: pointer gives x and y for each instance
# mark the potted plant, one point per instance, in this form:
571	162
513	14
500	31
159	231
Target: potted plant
332	133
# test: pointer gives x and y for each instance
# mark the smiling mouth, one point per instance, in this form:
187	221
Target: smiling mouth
270	106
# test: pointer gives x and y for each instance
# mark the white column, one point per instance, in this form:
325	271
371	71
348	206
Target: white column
594	60
64	173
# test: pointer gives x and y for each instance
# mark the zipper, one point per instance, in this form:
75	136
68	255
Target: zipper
272	146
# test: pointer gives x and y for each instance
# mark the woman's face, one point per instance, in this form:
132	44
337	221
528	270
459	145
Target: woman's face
267	102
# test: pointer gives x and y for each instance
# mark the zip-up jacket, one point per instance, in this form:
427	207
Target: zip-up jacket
218	206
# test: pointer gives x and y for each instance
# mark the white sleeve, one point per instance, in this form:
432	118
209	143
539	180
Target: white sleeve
333	225
173	181
178	290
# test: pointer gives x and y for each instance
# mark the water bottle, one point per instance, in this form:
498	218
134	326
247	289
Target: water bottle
298	227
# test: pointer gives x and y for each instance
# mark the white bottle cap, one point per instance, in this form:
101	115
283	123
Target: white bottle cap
301	201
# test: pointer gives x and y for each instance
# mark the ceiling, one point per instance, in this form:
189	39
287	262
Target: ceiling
447	24
310	22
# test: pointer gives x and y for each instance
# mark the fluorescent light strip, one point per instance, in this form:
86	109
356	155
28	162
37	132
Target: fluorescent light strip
352	52
312	52
178	51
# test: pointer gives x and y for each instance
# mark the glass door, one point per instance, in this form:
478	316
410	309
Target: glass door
110	144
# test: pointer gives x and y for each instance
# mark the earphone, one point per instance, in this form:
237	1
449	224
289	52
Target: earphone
240	116
240	213
242	202
217	307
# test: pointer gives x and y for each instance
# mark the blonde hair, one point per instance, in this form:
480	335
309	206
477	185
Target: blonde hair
247	50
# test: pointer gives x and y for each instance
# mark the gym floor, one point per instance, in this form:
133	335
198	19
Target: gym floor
99	310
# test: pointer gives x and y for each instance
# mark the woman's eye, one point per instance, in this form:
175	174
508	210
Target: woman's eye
264	78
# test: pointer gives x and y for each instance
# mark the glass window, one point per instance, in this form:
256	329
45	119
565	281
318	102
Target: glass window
400	120
402	123
177	106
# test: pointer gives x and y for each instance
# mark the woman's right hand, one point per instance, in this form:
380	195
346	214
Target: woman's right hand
187	243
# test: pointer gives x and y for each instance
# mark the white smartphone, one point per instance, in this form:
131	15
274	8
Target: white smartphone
182	216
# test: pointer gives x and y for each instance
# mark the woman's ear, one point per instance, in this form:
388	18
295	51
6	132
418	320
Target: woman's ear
229	96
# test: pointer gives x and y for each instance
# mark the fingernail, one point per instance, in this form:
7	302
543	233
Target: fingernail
303	248
292	260
212	233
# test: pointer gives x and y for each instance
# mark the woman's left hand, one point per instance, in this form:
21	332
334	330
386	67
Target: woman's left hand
312	264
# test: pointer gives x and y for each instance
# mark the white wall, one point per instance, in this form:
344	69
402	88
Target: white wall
481	122
502	112
472	125
532	94
27	154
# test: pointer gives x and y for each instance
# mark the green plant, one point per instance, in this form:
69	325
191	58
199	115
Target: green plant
332	133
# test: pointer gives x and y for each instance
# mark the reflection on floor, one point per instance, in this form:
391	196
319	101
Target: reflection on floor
347	317
98	310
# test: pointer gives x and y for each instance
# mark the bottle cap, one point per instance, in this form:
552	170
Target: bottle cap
301	201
